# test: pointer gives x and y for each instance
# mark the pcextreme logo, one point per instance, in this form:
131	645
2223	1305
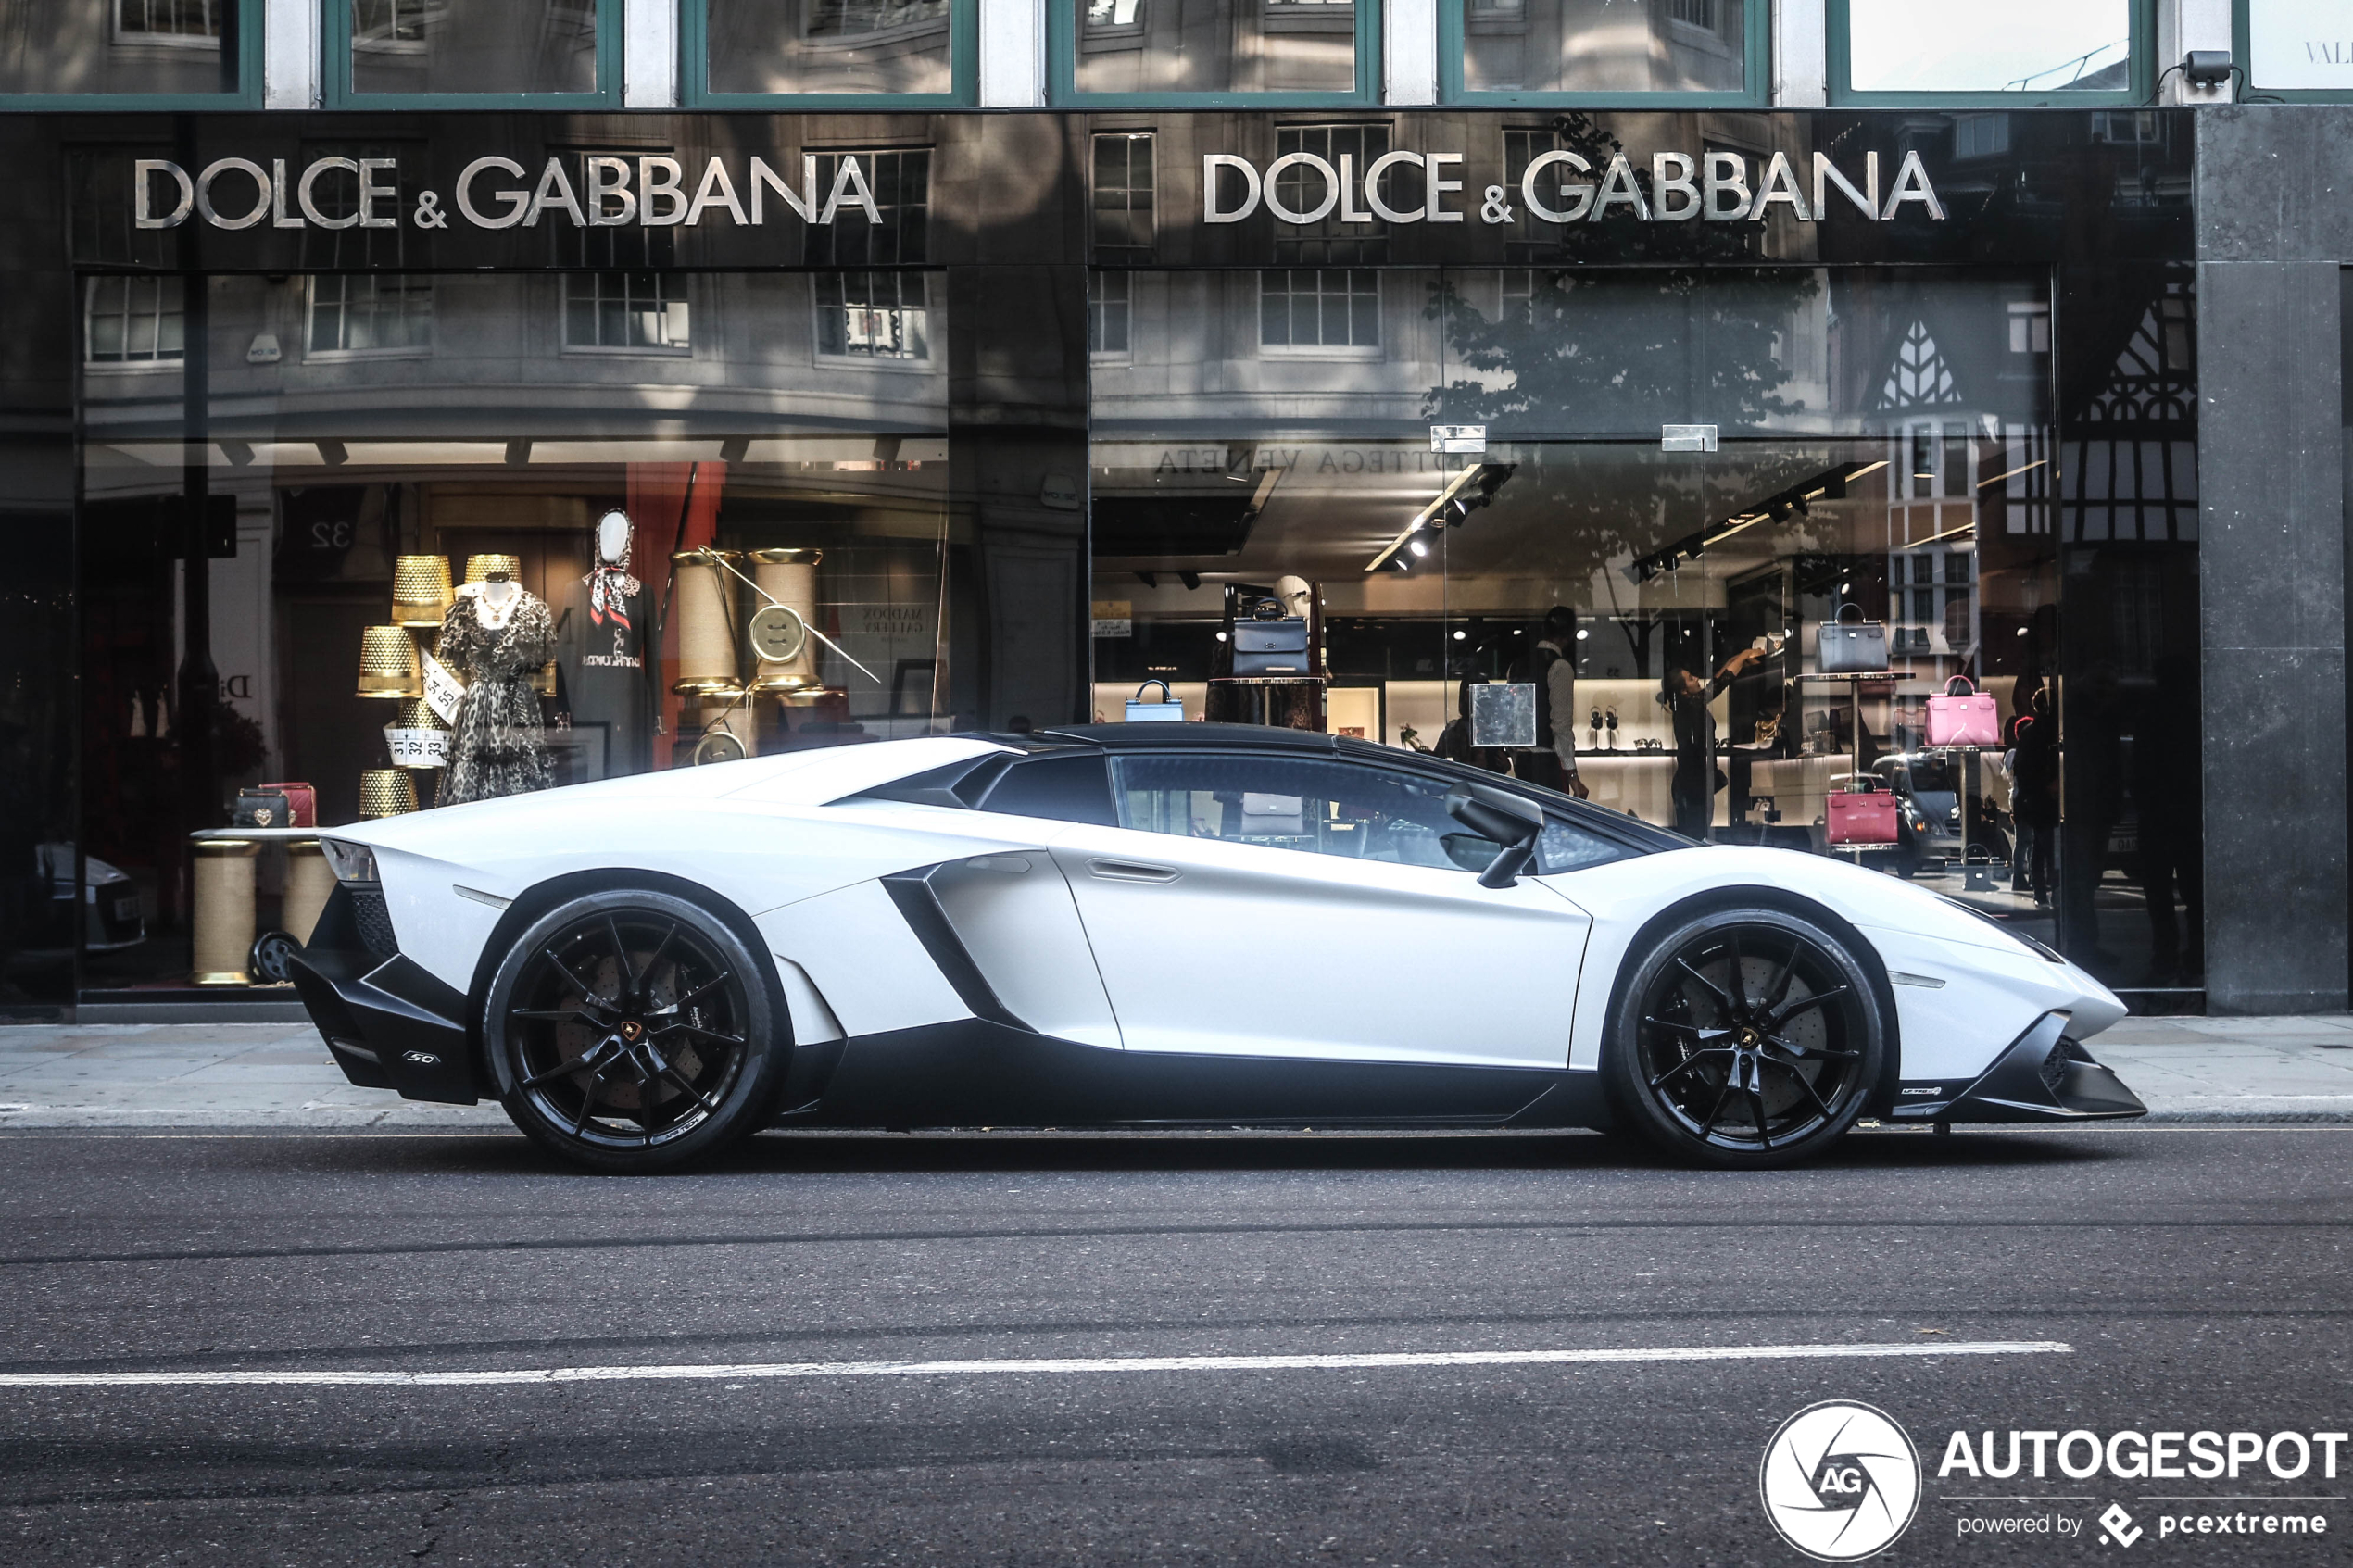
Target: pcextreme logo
1839	1481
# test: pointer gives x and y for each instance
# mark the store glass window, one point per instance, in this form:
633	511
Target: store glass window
1159	47
178	47
1589	46
474	46
821	46
1888	460
425	443
2020	47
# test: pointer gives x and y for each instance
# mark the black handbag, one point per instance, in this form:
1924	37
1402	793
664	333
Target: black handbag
1851	647
261	808
1271	646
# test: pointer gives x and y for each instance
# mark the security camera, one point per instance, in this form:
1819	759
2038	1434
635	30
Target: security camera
2207	68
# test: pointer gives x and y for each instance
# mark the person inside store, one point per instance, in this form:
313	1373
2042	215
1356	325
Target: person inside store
1697	778
2033	764
1551	667
1454	740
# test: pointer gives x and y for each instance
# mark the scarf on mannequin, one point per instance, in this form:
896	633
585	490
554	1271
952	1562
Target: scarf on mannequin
610	588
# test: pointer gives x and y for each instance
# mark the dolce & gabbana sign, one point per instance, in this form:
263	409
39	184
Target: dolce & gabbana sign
490	192
1715	187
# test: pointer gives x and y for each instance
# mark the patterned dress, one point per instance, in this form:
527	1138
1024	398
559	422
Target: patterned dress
497	747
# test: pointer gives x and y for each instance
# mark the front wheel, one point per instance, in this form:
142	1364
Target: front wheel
1747	1038
634	1031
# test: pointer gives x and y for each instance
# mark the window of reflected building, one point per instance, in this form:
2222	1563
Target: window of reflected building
1605	46
505	47
374	453
179	48
829	46
1887	472
2007	46
1208	48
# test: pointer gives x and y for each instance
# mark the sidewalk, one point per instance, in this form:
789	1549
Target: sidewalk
263	1076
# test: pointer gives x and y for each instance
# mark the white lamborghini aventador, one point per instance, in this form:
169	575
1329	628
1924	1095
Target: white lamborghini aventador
1160	926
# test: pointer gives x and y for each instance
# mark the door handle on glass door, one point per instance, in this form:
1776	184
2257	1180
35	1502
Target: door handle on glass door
1131	870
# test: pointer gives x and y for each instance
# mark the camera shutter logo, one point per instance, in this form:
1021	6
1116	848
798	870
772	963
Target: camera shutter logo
1839	1481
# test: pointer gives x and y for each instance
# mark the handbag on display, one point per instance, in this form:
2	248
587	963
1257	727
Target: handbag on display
1865	814
1271	646
302	802
1851	647
261	808
1962	715
1167	710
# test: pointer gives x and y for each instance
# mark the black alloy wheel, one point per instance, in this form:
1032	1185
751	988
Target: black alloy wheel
633	1031
1747	1038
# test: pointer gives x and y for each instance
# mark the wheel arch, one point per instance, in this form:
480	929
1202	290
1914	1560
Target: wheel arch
541	897
1746	895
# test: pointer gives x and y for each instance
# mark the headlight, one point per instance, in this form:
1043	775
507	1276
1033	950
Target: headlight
351	863
2039	949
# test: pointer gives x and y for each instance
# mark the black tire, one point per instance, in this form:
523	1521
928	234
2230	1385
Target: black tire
1747	1038
675	1043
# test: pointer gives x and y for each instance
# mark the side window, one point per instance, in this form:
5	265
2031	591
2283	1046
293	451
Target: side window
1316	805
1068	789
1566	847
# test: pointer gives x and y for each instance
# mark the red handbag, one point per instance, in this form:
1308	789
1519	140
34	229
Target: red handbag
1963	718
1863	815
302	804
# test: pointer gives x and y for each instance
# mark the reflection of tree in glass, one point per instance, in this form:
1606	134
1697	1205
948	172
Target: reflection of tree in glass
1571	354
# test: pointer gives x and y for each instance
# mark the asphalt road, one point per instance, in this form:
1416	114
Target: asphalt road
2197	1275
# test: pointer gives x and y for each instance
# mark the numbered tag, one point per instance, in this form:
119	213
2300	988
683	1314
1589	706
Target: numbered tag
444	691
417	748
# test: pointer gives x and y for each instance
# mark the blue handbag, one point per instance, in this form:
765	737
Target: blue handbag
1167	710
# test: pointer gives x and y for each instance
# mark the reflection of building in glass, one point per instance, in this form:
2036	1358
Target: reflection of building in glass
1597	46
1215	46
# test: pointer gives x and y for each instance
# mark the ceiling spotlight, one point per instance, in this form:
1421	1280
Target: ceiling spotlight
1582	633
1847	587
2022	631
1460	635
1221	636
1418	546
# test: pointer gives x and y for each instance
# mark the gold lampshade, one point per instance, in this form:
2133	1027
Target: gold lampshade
388	663
479	568
418	714
386	792
223	910
419	590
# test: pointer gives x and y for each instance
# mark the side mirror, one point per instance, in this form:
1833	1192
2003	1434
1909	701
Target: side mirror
1503	818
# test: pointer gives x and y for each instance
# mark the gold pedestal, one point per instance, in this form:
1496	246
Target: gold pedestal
308	881
224	923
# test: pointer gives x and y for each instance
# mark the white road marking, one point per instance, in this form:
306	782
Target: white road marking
692	1373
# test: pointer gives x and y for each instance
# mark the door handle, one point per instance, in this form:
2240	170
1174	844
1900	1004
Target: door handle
1130	871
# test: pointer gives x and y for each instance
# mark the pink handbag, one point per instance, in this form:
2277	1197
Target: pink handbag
1963	718
1860	816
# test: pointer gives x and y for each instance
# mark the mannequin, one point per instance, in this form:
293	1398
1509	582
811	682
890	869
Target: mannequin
495	638
600	646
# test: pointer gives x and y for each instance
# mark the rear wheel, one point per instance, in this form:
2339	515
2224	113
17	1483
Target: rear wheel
634	1031
1747	1037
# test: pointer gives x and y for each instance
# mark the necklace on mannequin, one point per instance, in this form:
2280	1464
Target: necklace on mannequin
495	601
